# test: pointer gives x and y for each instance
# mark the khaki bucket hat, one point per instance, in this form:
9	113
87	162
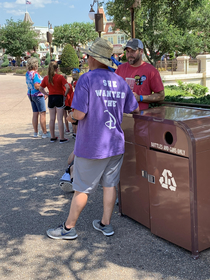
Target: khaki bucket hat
101	50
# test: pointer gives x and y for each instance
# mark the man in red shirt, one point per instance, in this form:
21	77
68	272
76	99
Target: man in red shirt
148	86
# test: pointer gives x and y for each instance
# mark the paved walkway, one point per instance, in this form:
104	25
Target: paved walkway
31	202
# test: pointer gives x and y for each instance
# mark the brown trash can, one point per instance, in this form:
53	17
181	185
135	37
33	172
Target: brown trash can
164	182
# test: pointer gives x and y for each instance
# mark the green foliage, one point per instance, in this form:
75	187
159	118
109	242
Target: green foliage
6	70
5	61
165	26
43	71
37	56
47	60
124	59
74	34
195	100
194	89
174	91
69	60
20	71
17	38
176	94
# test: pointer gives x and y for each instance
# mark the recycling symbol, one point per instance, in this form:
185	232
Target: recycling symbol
167	181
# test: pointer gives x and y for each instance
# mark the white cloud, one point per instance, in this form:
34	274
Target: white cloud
16	12
8	5
71	7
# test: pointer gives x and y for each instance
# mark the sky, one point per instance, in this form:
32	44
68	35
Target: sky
58	12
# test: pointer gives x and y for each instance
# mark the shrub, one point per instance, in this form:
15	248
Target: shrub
69	60
6	70
47	60
194	89
20	71
43	71
5	61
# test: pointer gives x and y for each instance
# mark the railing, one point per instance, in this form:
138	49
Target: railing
172	67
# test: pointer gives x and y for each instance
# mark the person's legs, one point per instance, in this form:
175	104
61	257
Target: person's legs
109	198
52	121
60	122
35	121
43	122
35	114
77	205
41	107
109	180
66	122
71	157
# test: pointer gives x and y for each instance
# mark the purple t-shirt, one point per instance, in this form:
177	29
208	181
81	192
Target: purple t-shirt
103	96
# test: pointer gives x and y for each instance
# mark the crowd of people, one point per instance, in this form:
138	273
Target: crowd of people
101	97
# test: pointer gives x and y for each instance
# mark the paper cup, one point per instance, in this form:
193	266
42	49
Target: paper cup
130	82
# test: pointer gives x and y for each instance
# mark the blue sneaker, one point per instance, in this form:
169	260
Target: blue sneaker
61	233
106	230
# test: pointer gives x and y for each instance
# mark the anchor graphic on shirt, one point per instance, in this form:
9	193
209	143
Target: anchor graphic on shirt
111	124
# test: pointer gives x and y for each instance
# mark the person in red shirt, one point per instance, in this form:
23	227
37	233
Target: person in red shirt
55	84
67	107
148	86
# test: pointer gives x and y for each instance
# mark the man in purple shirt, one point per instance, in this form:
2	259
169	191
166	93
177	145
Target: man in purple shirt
100	99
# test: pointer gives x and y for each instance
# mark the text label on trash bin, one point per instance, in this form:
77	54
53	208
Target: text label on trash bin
168	149
167	181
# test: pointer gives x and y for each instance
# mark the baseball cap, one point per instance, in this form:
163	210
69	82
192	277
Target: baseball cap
134	44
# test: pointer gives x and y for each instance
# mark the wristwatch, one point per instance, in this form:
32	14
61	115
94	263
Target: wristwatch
74	119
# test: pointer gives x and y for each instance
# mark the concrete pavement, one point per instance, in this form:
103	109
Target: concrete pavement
31	202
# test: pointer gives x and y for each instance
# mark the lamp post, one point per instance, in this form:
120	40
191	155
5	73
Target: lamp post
49	37
98	18
137	3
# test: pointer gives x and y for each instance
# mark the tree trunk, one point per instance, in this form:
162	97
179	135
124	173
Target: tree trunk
18	60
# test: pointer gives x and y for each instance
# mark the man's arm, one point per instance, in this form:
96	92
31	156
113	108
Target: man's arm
155	97
136	110
77	115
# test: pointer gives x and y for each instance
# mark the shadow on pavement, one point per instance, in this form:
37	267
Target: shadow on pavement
31	202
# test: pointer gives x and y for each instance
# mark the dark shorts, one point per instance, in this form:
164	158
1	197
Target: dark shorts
37	103
56	101
67	108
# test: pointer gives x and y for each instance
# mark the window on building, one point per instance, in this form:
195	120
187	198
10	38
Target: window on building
110	39
121	39
110	29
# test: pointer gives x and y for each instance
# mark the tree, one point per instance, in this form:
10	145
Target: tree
17	38
163	25
74	34
47	60
69	60
5	61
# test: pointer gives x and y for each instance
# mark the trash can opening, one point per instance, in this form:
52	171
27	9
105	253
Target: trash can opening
169	138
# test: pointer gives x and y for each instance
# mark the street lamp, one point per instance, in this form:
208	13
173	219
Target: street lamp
49	37
98	18
137	3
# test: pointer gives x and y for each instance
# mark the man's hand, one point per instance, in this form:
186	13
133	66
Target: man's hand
155	97
137	97
69	118
78	115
